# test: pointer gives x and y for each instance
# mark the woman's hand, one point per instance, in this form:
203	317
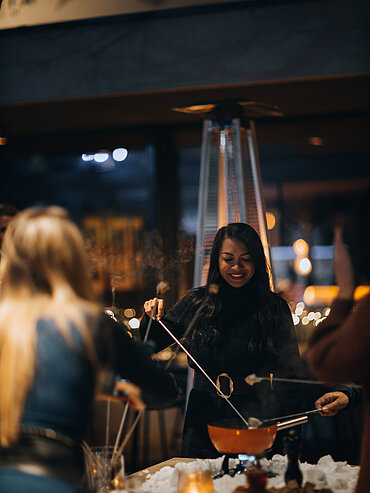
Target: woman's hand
131	394
154	308
331	403
343	266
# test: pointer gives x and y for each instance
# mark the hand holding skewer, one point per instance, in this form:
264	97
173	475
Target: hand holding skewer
154	308
213	289
130	393
331	403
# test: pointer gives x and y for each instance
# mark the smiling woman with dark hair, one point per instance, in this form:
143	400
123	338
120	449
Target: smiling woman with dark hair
245	328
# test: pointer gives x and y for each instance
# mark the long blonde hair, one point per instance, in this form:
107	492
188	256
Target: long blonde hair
44	274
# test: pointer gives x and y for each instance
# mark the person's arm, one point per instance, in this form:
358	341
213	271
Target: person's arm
333	400
339	348
131	360
354	394
176	320
124	391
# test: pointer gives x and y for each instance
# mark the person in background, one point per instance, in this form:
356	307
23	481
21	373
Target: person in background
7	212
54	341
245	328
339	350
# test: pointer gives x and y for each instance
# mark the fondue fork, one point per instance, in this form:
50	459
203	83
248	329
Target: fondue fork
204	373
212	289
253	379
290	416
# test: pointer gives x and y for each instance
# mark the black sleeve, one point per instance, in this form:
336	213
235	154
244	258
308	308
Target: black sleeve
176	320
312	392
131	360
354	395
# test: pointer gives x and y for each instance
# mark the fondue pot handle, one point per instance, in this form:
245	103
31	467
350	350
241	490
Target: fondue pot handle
292	422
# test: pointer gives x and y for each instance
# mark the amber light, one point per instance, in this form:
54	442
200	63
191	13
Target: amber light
271	220
324	295
300	247
315	141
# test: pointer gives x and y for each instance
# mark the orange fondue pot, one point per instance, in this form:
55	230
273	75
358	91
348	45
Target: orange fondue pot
227	438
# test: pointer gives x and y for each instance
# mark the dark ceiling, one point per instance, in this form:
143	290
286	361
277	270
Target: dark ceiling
337	108
308	98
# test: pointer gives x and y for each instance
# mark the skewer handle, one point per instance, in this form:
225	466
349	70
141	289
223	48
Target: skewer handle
304	413
292	422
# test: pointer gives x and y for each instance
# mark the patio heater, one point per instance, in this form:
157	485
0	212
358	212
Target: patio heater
230	188
230	180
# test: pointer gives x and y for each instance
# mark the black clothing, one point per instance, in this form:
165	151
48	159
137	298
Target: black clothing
59	404
232	351
131	360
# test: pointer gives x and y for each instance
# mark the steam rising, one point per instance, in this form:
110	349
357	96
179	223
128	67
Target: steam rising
163	265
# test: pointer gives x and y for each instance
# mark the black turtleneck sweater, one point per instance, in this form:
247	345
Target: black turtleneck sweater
235	348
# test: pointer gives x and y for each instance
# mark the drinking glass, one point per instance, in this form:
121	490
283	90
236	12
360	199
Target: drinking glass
105	474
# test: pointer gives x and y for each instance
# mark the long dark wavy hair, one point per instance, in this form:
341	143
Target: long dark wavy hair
268	304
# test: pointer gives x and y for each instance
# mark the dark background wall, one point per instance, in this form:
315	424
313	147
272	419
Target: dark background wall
235	43
83	86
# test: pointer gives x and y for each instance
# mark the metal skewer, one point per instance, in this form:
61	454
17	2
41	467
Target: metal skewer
126	439
190	326
289	416
123	419
161	287
204	373
253	379
212	289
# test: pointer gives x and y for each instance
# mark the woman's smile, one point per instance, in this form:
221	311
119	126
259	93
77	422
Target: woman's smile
235	263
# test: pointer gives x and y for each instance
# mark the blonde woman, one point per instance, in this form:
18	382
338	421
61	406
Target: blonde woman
52	342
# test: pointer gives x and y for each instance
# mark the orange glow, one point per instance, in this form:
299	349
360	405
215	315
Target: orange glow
270	219
271	377
300	247
3	141
196	482
360	292
324	295
196	109
315	141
